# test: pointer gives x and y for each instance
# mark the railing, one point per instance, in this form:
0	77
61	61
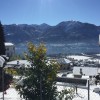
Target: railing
75	82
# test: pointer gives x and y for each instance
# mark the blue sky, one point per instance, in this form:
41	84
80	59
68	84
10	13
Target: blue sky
49	11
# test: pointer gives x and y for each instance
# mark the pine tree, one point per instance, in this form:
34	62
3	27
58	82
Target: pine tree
2	40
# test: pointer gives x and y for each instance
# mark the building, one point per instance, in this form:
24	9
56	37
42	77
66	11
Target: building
65	64
18	64
10	49
85	71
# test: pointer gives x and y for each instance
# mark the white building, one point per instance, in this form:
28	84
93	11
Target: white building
87	71
10	49
18	63
65	64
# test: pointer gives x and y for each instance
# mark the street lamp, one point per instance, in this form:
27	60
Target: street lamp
3	60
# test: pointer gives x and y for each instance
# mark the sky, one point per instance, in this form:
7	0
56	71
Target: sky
51	12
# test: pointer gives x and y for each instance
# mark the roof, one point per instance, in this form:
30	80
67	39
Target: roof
19	62
9	44
64	61
79	57
2	60
89	71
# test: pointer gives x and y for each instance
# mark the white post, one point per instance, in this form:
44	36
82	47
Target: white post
99	39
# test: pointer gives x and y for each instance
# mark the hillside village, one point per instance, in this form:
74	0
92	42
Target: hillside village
49	50
71	66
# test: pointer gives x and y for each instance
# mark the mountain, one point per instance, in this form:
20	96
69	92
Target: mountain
23	32
64	33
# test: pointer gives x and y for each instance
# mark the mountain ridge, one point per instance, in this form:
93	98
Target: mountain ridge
63	33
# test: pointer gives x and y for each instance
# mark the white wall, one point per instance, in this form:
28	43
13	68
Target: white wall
10	49
89	71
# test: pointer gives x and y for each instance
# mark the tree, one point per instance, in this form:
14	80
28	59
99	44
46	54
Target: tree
66	94
2	40
39	83
5	79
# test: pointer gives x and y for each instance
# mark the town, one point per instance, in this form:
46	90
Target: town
49	50
74	68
